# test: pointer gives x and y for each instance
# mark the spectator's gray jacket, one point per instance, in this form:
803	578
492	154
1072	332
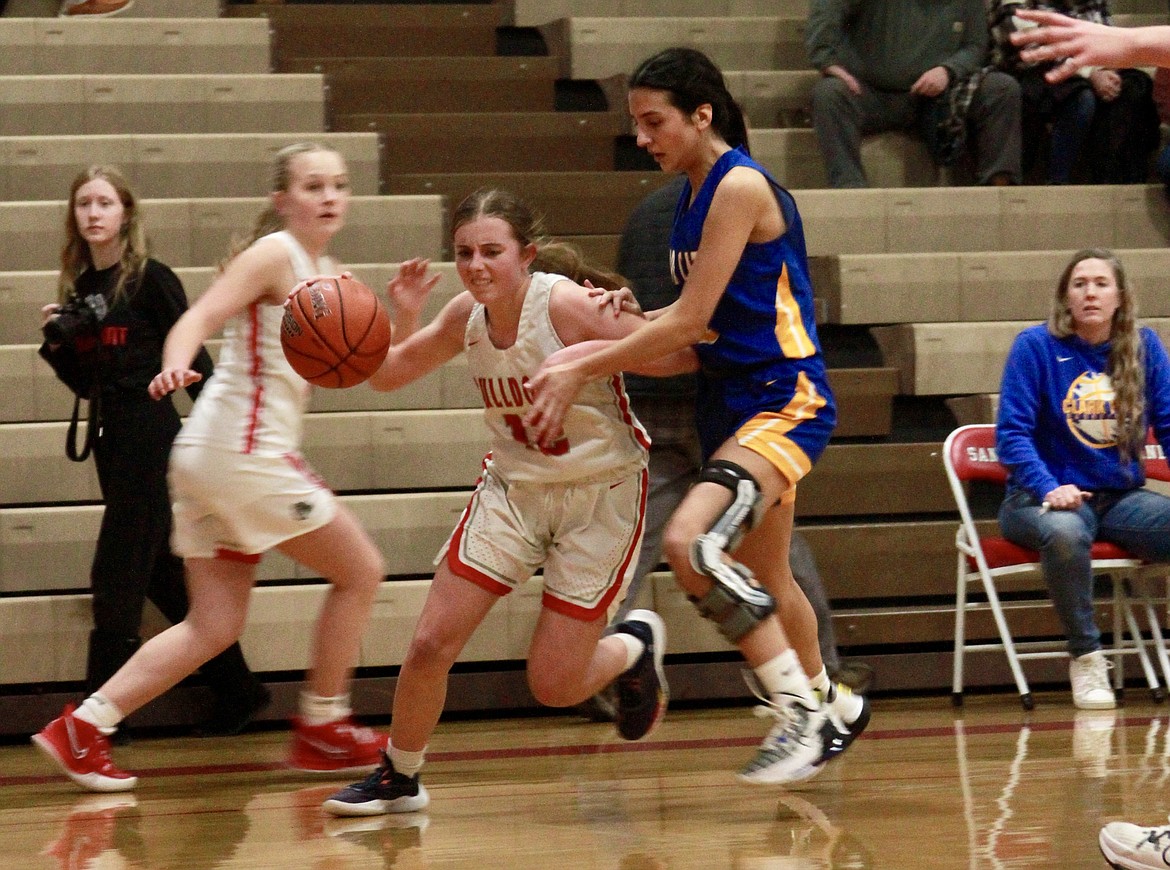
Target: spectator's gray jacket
888	44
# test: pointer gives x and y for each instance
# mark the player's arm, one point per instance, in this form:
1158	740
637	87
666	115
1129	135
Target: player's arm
425	350
585	328
743	204
257	274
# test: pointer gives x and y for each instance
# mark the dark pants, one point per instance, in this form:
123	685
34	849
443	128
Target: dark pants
133	561
841	118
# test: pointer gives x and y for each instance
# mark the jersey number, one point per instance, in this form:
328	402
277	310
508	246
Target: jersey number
558	448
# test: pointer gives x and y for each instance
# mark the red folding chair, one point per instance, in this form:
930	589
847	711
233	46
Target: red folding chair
969	455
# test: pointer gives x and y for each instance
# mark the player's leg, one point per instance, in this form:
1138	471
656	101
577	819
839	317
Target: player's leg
325	737
738	488
78	740
454	608
765	551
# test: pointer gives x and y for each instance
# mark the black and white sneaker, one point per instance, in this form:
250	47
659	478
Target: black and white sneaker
838	735
383	791
642	693
793	749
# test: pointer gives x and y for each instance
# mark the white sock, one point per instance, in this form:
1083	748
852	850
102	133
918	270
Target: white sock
783	676
101	712
840	699
406	763
634	648
321	709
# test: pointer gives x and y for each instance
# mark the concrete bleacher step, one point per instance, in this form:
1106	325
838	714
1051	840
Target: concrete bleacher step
53	46
377	451
972	219
529	13
573	203
434	84
598	48
946	359
890	160
521	141
51	105
977	286
772	98
374	30
198	231
173	165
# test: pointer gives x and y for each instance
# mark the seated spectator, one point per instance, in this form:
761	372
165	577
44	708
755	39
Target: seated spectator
1102	117
891	65
1077	398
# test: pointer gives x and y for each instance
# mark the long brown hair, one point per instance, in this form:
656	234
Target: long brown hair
269	220
562	258
1126	355
75	253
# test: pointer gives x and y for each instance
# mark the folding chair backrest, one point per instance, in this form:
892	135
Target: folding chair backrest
1157	468
970	454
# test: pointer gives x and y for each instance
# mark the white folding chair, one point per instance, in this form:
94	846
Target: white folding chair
969	455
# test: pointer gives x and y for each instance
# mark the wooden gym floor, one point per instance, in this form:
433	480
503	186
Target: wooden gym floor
986	786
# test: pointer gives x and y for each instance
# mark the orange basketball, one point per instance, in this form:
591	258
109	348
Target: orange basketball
335	332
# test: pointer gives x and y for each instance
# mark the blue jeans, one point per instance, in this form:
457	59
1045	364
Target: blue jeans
1136	519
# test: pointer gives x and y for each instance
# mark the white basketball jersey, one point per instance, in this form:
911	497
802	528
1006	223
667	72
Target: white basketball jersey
254	402
602	437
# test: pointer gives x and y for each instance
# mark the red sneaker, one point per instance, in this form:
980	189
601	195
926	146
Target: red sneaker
83	753
335	747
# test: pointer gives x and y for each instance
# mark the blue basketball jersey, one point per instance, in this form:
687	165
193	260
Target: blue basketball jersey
762	352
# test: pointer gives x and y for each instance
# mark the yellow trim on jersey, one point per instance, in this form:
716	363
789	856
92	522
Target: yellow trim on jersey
765	433
790	332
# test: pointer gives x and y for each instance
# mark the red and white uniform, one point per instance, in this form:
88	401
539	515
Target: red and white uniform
575	509
238	481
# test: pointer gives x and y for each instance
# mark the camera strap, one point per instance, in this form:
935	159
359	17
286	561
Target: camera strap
91	425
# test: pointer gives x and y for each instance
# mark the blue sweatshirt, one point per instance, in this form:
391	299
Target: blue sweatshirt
1055	421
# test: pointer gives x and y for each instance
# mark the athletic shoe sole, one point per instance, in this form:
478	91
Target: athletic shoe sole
89	781
380	807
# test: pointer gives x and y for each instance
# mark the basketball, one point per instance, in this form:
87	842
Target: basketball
335	332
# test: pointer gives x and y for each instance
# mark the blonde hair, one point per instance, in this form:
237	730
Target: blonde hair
75	254
1126	354
269	220
562	258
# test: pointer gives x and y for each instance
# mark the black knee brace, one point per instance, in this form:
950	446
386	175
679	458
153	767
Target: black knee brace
735	604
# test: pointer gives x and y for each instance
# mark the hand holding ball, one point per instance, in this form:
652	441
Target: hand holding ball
335	332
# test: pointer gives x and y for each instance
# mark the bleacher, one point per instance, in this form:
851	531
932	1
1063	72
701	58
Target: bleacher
921	287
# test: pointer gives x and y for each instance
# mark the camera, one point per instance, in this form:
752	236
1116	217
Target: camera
77	318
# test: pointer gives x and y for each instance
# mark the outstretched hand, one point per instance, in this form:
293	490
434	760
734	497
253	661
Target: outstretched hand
169	380
409	289
1070	43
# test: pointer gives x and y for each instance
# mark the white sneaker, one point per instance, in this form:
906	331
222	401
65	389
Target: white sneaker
1089	675
1131	847
794	749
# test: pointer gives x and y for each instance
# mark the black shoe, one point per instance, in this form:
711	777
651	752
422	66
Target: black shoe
383	791
230	715
838	735
642	691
